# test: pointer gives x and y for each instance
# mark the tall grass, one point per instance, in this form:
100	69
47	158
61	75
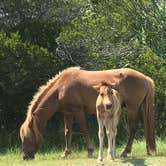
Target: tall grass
53	145
13	156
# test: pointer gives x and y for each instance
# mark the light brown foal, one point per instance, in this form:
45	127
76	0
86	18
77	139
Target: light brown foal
108	112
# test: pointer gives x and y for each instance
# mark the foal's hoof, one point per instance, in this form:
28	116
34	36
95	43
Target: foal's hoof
65	155
110	158
99	160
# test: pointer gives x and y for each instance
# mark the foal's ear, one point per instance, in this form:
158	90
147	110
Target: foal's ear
113	85
96	87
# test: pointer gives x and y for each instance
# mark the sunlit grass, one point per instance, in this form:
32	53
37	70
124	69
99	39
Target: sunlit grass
13	157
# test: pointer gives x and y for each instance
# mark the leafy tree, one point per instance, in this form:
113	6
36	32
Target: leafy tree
24	67
37	21
151	64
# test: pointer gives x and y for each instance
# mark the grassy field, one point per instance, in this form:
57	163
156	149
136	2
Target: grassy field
13	157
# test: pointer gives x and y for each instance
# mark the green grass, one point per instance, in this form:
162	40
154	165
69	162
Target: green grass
138	157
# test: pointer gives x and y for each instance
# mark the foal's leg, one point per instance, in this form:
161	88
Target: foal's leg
68	118
132	117
101	137
110	135
114	127
115	121
113	152
83	127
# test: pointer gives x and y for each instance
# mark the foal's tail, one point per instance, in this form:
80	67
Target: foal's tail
149	117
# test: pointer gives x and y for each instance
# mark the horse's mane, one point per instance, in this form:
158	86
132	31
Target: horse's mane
44	89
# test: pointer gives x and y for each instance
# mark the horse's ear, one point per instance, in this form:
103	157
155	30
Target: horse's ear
22	132
30	122
96	87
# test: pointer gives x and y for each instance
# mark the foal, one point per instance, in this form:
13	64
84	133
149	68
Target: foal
108	112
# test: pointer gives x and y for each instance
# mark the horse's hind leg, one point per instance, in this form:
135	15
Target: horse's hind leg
80	116
132	118
68	119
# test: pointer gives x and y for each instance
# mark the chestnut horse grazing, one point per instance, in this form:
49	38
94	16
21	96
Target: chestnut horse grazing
71	92
108	105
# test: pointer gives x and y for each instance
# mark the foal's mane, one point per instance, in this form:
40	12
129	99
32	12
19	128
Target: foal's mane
104	83
43	90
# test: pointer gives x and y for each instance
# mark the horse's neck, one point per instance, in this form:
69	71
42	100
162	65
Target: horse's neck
48	105
41	117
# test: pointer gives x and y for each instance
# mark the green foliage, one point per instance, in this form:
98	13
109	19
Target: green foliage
154	66
24	67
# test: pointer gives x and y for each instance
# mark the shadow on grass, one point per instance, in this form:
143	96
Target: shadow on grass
134	161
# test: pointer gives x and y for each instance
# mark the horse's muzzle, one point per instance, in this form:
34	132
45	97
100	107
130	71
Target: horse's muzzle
28	156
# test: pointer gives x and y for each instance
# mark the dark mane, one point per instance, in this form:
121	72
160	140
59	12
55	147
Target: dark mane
104	83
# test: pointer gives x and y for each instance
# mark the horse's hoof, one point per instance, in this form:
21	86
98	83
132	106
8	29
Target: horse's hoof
151	153
90	153
124	154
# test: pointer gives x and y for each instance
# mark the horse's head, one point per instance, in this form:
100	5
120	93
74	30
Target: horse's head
29	139
106	95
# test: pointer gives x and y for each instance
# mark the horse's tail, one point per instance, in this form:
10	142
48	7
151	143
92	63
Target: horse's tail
149	117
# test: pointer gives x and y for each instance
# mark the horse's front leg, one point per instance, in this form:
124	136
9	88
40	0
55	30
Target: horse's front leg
80	116
68	119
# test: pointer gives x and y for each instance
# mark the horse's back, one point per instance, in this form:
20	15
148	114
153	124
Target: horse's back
76	86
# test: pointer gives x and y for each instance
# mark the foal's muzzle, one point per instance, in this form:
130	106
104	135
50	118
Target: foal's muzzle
108	106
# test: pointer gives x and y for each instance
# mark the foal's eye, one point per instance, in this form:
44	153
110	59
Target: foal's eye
111	92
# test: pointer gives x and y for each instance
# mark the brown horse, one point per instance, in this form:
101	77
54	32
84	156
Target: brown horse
71	92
